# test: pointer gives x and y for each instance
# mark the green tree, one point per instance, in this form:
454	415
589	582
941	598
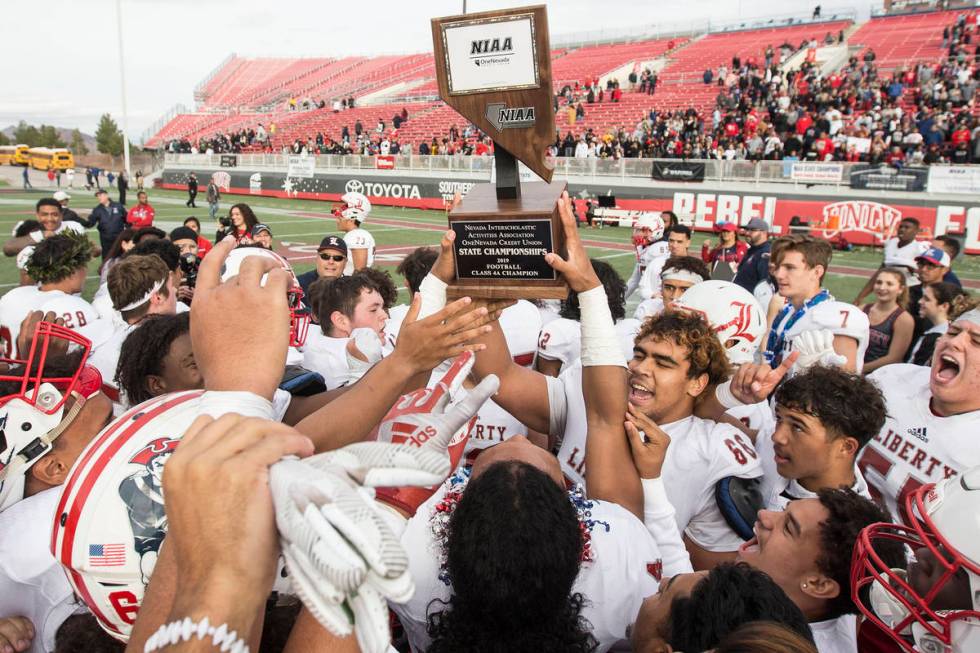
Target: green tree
108	138
78	143
27	134
3	139
49	137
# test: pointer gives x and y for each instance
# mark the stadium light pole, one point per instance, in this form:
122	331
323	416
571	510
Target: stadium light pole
122	88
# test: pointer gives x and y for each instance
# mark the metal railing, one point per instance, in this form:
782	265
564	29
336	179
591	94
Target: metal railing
744	171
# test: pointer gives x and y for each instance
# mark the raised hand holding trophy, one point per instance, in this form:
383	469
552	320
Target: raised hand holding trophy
494	68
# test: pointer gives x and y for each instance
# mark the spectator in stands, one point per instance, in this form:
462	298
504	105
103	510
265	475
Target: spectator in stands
938	301
891	325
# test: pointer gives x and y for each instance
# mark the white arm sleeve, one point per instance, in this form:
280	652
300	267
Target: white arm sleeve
650	281
658	516
433	292
217	403
634	281
557	405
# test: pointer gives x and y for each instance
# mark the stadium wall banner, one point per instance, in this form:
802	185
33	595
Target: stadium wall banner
950	179
678	171
229	160
885	177
816	172
384	162
301	166
862	218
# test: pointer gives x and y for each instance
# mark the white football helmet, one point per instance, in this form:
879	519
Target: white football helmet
354	206
299	317
33	417
732	312
915	606
651	221
111	520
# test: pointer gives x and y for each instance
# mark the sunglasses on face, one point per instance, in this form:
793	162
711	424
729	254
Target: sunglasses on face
337	258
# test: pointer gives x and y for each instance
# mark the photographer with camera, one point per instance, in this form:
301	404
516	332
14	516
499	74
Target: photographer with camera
186	239
240	223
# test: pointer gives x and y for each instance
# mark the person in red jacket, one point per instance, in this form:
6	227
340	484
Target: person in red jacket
142	214
730	249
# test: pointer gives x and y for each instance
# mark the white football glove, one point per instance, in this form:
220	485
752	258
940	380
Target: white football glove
344	557
816	347
367	352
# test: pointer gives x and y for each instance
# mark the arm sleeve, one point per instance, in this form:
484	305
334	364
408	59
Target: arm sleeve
650	281
658	516
633	282
557	405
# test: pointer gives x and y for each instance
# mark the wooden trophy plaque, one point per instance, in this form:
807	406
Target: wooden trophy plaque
494	68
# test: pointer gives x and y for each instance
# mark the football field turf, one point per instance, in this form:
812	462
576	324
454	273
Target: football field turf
299	225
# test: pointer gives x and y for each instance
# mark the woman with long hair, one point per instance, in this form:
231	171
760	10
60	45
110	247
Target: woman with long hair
243	221
938	301
891	325
123	243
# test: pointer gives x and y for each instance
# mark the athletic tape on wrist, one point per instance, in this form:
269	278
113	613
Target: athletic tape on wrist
220	402
600	344
433	291
723	393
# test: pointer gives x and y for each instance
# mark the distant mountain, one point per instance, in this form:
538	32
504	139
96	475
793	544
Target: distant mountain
65	135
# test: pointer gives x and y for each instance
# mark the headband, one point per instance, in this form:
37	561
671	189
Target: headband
139	302
676	274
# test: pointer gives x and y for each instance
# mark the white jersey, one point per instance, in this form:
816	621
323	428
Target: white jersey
14	307
701	453
649	308
549	309
835	635
645	256
561	340
326	356
650	279
105	358
394	324
493	425
78	315
840	318
903	256
915	446
32	583
521	324
625	569
358	239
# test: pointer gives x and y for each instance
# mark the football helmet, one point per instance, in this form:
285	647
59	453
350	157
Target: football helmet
110	520
299	317
33	417
945	538
354	206
734	314
651	221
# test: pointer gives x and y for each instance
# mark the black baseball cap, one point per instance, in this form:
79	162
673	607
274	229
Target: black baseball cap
333	242
261	227
183	233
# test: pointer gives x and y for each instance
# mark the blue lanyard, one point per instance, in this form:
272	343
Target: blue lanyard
777	340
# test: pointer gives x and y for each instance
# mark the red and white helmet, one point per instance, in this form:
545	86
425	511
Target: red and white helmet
111	519
915	605
33	417
354	206
651	221
299	317
734	314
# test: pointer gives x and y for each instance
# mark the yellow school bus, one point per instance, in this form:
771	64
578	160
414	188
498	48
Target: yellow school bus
44	158
14	155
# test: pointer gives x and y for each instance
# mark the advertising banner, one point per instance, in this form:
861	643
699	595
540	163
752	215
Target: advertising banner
817	172
885	177
301	166
678	171
950	179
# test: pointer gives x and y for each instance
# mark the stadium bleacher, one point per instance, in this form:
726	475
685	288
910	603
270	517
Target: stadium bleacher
246	92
